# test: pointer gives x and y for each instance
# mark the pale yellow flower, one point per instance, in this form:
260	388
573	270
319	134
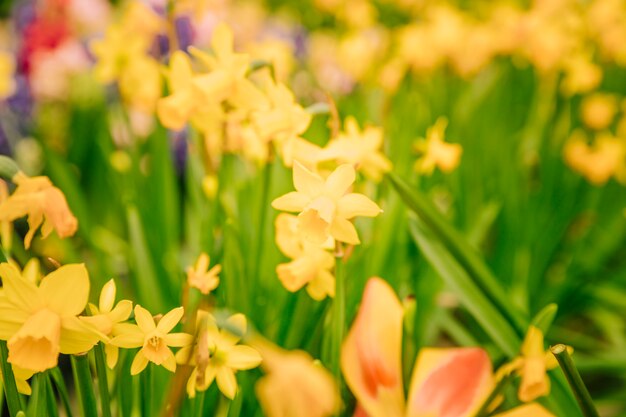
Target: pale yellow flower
326	206
42	202
283	118
294	385
201	277
226	79
115	51
311	263
597	162
218	355
532	364
39	322
598	110
154	339
107	317
436	152
360	148
140	83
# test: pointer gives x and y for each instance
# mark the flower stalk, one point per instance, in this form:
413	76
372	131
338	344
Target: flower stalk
575	381
10	388
84	385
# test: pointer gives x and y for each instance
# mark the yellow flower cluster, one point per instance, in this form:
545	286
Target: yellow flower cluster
554	36
325	207
123	57
605	155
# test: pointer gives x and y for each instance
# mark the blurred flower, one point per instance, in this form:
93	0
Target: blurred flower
581	75
325	206
140	83
294	385
371	352
277	52
39	322
598	110
201	277
436	152
531	366
360	148
226	79
7	69
107	318
217	355
154	339
52	70
451	382
598	162
311	263
43	203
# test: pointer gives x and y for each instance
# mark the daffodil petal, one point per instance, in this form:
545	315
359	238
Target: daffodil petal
340	181
226	382
78	337
305	181
170	320
107	297
433	391
121	311
144	319
66	289
293	201
371	353
352	205
139	363
243	357
112	354
178	339
170	363
19	291
344	231
129	340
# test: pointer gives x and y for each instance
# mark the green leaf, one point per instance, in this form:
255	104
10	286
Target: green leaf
84	385
500	331
459	249
10	388
543	320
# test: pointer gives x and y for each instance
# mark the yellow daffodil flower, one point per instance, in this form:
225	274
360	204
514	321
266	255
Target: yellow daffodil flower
217	355
39	322
7	69
598	110
311	263
325	206
283	118
226	79
532	364
115	51
451	382
598	162
154	339
201	277
360	148
294	385
140	83
107	318
43	203
436	152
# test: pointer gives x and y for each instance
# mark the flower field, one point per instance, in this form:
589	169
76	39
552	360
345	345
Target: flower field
368	208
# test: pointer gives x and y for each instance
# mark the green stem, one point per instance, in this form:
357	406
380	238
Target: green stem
285	324
50	398
10	388
267	180
59	382
575	381
103	383
199	404
84	385
497	390
339	318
